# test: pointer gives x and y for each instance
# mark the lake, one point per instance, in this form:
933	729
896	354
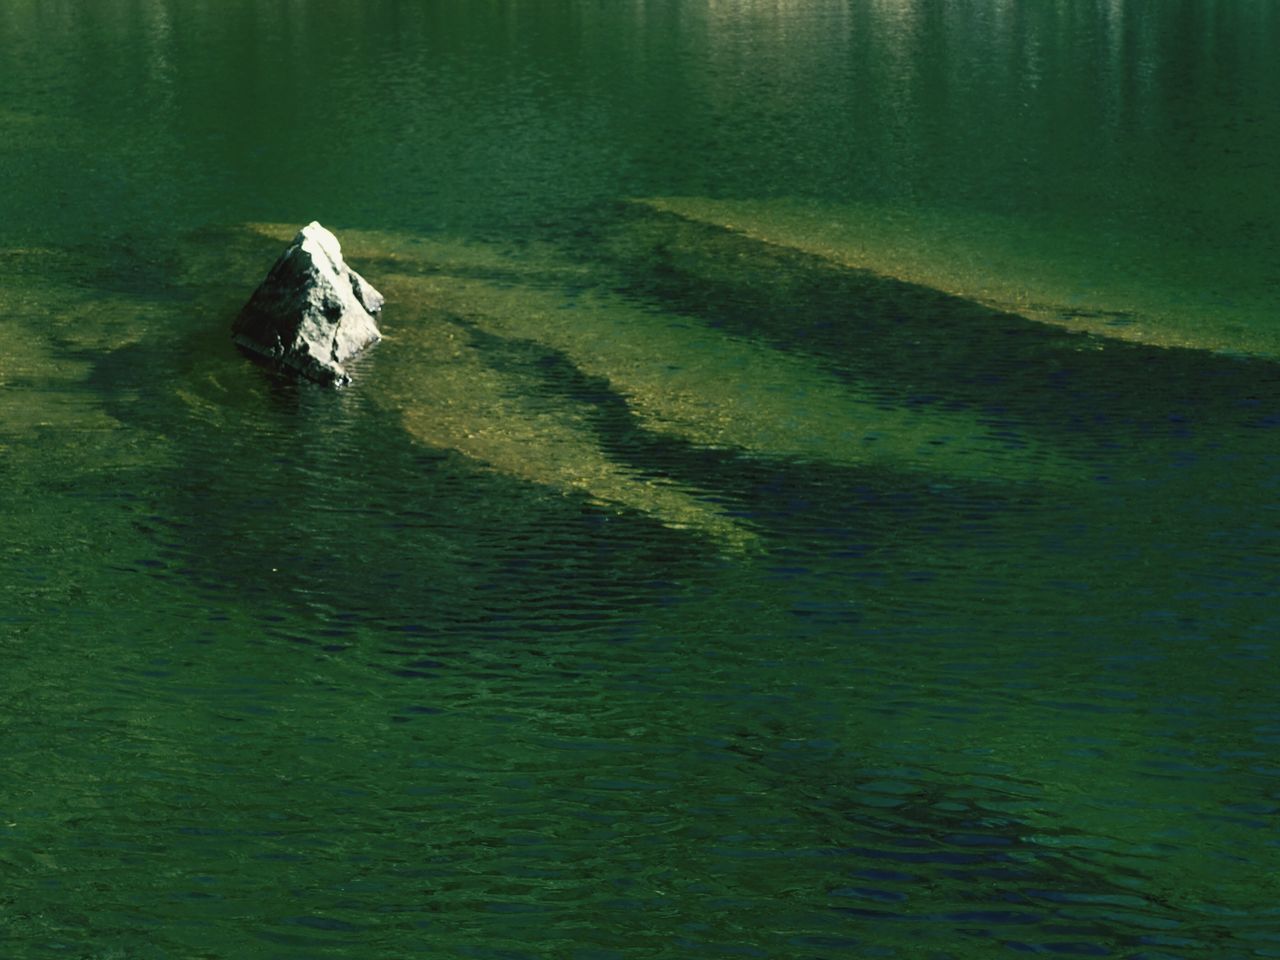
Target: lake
816	496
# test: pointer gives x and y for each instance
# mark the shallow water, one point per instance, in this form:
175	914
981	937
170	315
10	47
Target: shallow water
816	496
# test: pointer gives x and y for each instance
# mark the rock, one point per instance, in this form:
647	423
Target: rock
312	312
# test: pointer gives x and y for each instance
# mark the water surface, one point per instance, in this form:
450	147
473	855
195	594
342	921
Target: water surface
816	496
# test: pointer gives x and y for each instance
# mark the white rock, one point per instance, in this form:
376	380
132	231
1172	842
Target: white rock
312	312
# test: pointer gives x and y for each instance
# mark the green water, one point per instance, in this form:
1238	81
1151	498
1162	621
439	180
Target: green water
817	495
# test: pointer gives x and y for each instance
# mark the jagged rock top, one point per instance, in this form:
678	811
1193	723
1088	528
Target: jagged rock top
312	312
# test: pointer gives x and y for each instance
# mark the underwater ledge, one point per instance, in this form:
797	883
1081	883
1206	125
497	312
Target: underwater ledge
1057	279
